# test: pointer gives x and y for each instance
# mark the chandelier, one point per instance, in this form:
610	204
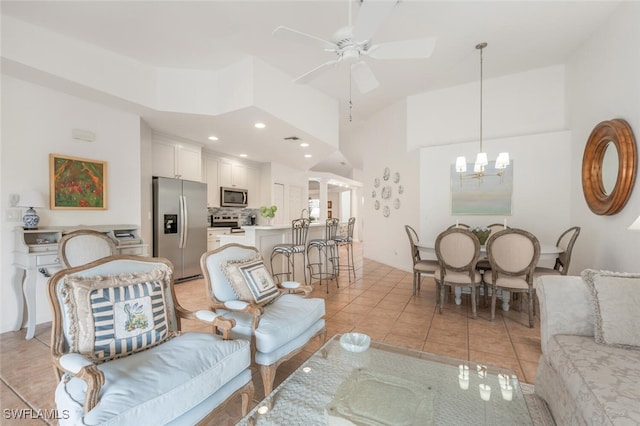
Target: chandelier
481	159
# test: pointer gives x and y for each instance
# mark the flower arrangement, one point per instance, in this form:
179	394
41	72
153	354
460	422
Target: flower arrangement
482	232
268	212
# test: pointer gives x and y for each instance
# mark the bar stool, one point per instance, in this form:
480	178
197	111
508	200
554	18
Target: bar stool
347	241
326	249
299	232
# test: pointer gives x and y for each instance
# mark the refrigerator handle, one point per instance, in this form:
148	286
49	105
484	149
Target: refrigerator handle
183	217
185	221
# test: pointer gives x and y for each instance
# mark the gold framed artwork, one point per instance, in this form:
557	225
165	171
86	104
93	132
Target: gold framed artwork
329	214
329	204
77	183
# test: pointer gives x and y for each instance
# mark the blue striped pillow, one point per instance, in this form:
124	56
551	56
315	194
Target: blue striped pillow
115	315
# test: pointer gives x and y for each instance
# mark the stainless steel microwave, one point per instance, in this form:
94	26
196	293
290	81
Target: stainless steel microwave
233	197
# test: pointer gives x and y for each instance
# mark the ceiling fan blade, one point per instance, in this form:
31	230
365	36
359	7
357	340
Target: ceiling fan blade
370	16
285	33
310	75
405	49
363	76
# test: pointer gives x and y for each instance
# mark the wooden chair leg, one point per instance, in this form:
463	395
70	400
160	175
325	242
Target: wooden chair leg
474	312
268	373
493	304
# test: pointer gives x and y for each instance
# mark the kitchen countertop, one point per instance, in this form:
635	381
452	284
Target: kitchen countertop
274	227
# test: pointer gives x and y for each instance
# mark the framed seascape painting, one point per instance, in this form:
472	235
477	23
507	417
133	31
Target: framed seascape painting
485	193
77	183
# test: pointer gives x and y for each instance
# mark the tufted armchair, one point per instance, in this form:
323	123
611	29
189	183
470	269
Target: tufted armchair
121	358
279	323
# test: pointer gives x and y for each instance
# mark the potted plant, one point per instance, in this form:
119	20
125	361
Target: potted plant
268	212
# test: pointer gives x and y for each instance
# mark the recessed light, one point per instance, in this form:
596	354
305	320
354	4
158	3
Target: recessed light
243	155
213	138
304	144
307	156
260	125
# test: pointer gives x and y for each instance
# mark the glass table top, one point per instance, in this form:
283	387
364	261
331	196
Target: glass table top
389	385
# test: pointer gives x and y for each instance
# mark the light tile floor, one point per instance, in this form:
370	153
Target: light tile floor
379	302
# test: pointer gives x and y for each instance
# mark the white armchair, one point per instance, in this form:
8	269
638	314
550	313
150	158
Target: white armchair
279	324
121	358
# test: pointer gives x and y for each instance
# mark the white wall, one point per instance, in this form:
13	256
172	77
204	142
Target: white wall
603	82
385	238
541	190
36	122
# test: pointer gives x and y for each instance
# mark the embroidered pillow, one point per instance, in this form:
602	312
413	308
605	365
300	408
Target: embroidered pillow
115	315
250	280
616	301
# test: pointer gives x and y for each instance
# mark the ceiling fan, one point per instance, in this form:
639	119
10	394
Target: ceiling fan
352	43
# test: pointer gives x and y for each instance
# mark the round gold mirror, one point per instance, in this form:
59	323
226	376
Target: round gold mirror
609	167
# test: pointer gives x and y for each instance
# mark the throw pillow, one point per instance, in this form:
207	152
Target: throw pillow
616	301
115	315
250	280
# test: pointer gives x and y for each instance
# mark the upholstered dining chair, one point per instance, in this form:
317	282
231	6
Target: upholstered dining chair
513	254
278	320
84	246
457	250
483	262
120	356
566	241
420	266
297	246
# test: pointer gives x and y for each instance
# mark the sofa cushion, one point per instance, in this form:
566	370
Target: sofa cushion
616	301
601	380
250	280
115	315
158	385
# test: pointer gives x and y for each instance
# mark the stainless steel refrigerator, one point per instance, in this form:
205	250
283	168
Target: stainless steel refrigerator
180	224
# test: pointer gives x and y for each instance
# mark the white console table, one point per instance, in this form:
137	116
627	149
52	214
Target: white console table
36	250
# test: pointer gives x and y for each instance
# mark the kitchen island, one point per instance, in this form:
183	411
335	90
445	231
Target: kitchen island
265	237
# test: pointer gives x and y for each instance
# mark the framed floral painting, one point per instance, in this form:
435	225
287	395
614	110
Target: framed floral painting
77	183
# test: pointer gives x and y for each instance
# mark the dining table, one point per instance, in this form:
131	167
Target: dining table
548	252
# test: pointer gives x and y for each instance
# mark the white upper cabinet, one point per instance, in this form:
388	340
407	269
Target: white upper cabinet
211	166
177	160
253	187
233	175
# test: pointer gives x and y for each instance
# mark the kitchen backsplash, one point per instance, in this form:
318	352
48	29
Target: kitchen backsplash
243	214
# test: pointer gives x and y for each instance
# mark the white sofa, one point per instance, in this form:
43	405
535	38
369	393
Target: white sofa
582	381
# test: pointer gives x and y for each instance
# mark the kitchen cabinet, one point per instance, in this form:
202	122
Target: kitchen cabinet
253	187
211	166
213	237
233	175
176	160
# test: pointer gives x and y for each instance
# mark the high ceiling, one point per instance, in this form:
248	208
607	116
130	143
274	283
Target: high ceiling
209	35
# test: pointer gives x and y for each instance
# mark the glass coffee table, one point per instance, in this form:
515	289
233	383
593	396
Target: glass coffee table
389	385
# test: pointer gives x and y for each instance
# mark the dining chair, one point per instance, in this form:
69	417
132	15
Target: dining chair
326	250
513	254
483	263
278	319
84	246
346	240
420	266
297	246
457	250
565	242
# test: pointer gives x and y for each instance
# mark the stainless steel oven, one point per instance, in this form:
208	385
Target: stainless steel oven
233	197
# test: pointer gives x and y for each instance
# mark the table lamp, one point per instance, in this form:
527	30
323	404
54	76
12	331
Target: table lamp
31	199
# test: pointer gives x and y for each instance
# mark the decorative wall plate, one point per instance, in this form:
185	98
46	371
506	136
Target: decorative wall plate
386	173
396	203
386	193
373	194
376	205
400	189
396	177
386	211
376	182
